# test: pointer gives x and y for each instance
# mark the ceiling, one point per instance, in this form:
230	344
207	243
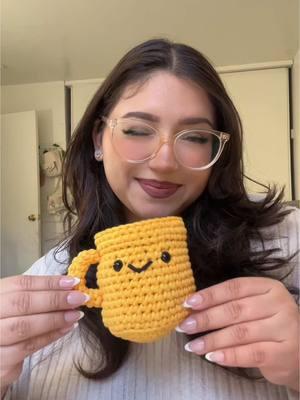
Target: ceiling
50	40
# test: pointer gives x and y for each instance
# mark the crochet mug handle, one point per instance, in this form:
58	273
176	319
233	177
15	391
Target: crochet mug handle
79	268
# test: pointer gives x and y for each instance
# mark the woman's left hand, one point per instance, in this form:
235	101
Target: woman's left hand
257	322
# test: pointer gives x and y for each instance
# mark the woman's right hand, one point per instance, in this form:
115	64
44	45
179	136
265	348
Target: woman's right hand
35	311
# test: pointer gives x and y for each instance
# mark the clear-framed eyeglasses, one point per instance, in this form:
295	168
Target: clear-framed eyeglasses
136	142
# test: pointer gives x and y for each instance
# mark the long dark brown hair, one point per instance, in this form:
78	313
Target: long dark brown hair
222	222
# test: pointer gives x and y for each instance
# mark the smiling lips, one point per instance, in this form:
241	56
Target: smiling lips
158	189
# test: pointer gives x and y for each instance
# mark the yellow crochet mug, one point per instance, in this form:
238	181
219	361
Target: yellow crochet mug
143	274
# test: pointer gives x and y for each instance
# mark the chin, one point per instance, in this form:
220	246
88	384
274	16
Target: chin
155	212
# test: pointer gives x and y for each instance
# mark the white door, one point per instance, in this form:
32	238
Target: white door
20	198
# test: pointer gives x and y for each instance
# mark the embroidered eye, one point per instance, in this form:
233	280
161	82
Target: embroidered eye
165	256
118	265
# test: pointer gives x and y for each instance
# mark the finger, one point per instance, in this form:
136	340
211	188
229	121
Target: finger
8	376
233	312
26	303
256	355
24	283
15	330
16	353
232	289
265	330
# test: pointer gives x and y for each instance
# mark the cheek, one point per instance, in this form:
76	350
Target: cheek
111	160
117	171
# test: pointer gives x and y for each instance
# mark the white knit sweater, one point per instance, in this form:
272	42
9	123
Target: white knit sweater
161	370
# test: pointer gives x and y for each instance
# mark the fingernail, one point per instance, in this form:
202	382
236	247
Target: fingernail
189	325
67	282
77	298
70	328
196	346
72	316
217	356
193	301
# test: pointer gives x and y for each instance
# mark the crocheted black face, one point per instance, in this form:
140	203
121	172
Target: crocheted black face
118	264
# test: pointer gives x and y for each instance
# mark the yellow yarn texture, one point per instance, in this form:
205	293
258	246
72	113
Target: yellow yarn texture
144	275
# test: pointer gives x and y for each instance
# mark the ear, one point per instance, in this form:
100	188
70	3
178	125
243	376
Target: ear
97	136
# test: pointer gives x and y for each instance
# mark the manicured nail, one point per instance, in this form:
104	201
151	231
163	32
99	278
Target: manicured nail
72	316
70	328
196	346
67	282
193	301
189	325
217	356
77	298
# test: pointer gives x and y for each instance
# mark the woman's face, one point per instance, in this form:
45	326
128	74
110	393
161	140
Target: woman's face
160	186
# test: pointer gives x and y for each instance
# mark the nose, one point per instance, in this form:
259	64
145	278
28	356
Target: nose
164	159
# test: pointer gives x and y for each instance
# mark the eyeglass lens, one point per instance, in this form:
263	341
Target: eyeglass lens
136	141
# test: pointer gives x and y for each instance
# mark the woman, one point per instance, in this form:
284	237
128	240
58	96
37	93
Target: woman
161	137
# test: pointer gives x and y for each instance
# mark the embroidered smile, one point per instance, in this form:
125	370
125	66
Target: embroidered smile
144	268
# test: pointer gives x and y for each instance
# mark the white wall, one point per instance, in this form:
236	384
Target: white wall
81	94
261	97
48	99
296	120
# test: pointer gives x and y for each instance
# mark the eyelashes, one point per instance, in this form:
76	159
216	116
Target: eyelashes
165	257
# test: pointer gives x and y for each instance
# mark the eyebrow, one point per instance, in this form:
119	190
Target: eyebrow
154	118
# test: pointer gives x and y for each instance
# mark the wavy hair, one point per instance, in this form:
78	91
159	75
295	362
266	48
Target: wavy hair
222	222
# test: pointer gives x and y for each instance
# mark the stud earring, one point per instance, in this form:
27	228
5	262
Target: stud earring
98	155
